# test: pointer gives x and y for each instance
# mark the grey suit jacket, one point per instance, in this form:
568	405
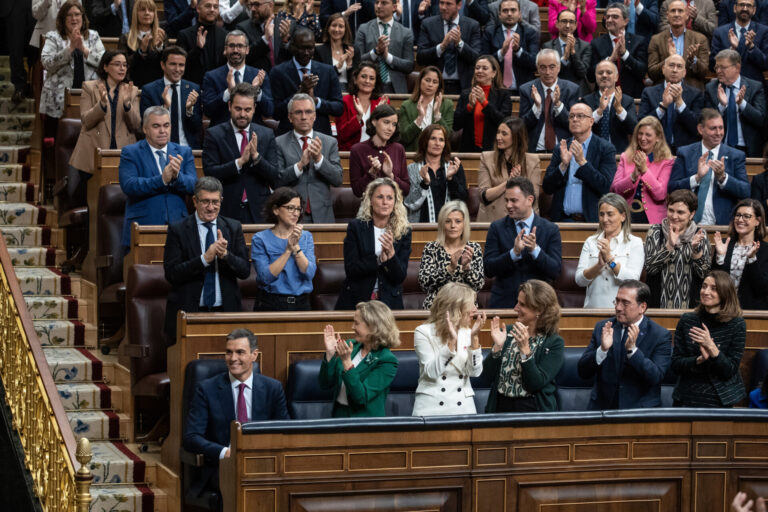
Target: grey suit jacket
529	13
576	69
400	48
315	182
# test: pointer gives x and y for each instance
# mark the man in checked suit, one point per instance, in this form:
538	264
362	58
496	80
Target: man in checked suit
387	44
628	355
575	54
309	162
613	112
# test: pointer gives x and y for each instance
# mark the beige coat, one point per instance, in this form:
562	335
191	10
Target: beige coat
485	180
96	128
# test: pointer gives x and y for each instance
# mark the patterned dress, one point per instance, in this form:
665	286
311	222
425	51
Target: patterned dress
434	273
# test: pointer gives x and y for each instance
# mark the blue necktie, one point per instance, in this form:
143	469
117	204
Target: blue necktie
126	20
632	17
731	119
161	159
703	190
521	227
450	54
209	283
605	123
669	123
237	77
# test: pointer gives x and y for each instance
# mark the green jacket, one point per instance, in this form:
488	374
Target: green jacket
367	383
538	374
409	132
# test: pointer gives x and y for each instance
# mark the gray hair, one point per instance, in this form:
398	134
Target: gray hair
155	110
547	52
618	202
620	6
209	184
732	55
608	61
300	97
253	341
642	290
236	33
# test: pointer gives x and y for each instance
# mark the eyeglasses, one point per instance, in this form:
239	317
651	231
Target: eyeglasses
625	303
745	216
745	4
209	202
578	117
292	209
567	22
234	46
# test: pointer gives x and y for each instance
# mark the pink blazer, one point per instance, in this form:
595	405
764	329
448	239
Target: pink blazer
586	22
654	193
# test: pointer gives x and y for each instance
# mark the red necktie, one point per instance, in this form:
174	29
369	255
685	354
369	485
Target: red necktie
549	127
304	146
242	410
243	145
509	74
618	64
271	48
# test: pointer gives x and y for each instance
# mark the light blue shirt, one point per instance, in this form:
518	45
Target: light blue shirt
308	67
124	15
266	247
679	42
572	200
203	232
528	226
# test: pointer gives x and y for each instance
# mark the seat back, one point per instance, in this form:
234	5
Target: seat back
759	369
111	211
329	278
72	195
569	294
345	204
306	399
573	392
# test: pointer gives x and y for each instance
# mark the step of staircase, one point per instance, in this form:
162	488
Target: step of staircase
100	425
43	256
108	498
14	173
32	236
26	214
13	154
115	463
25	107
17	192
90	395
17	121
66	333
71	364
15	138
54	308
43	281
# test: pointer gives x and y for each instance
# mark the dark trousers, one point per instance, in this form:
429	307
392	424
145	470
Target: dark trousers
16	25
522	404
266	301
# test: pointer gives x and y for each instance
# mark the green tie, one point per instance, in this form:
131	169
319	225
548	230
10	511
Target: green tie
383	68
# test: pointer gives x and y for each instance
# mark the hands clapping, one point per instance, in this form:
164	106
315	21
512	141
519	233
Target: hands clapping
217	249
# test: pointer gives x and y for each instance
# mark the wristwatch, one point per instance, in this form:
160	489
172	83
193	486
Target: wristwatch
612	264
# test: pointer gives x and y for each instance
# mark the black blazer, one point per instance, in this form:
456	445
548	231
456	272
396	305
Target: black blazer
200	60
684	130
499	106
752	118
103	21
760	189
220	150
432	33
258	53
362	268
632	70
185	272
524	66
576	69
753	287
365	14
323	53
569	95
178	15
621	131
143	68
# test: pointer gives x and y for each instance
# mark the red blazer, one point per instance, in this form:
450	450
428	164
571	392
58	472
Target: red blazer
654	192
348	129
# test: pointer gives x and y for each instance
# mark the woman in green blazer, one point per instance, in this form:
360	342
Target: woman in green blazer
526	357
360	371
426	106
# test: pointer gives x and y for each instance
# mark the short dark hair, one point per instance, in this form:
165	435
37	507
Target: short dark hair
561	12
382	110
524	184
643	291
279	197
61	19
172	50
685	196
243	89
209	184
109	55
620	6
253	341
302	31
760	230
708	113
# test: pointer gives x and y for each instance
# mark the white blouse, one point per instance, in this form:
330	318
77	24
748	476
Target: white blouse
601	291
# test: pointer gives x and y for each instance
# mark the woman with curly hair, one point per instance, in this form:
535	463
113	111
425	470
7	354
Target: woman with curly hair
377	248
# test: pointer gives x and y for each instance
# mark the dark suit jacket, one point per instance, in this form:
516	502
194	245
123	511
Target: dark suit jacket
597	175
432	33
686	121
185	272
214	85
576	69
508	274
752	118
213	410
285	83
569	94
647	22
499	106
362	268
199	60
753	287
366	13
621	131
725	14
760	188
524	65
323	54
152	95
178	15
753	61
723	199
220	150
148	200
658	51
632	69
636	379
258	55
104	21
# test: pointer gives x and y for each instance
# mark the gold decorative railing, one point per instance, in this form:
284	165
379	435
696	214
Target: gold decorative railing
38	415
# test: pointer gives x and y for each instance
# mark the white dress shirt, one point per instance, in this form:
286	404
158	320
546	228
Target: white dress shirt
181	109
164	149
537	111
247	395
311	135
601	354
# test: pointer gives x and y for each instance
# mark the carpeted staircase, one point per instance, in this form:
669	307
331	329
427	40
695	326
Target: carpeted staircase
94	392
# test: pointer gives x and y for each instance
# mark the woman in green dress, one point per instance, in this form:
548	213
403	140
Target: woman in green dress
426	106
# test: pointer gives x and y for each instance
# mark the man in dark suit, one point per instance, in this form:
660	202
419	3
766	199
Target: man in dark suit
728	11
110	18
303	74
263	36
389	45
155	175
239	395
357	12
646	18
628	51
407	14
613	112
714	171
575	54
219	83
514	44
179	96
529	13
179	14
452	43
748	38
741	102
581	170
204	42
545	102
520	246
627	355
309	162
676	104
242	155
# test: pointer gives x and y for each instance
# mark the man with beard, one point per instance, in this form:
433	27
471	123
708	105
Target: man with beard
203	41
265	51
613	112
745	36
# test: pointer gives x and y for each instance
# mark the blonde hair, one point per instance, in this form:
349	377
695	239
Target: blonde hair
448	208
383	331
398	221
133	33
661	150
454	299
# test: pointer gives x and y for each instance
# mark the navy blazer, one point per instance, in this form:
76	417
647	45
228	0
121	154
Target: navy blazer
432	33
178	15
596	175
103	20
524	65
214	85
199	60
632	70
753	61
636	379
725	14
365	14
569	95
723	198
499	106
753	287
220	150
508	274
647	23
362	268
148	199
752	118
212	411
621	131
759	188
152	95
684	130
285	83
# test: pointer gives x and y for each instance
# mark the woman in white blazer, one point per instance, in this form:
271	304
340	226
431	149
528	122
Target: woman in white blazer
449	353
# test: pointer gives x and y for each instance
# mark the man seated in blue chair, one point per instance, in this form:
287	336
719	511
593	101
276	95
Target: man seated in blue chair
628	354
240	395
